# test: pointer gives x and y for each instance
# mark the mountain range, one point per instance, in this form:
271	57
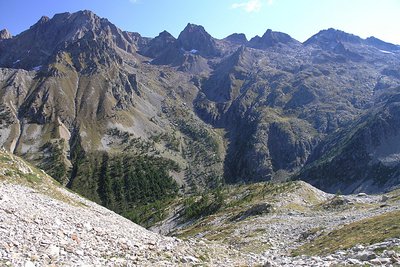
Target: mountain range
127	120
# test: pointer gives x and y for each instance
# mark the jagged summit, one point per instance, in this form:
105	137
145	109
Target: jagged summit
270	39
342	43
165	34
69	32
237	38
329	36
373	41
159	44
43	20
195	37
5	34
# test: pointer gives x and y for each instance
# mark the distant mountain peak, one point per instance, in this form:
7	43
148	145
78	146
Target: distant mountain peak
373	41
271	38
165	34
86	12
159	44
237	38
194	27
72	32
196	37
43	19
332	35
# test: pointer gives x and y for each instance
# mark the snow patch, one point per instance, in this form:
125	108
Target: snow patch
37	68
386	52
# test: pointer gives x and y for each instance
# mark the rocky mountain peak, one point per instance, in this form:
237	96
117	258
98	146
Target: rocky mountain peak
43	20
159	44
270	39
195	37
70	27
373	41
5	34
86	13
78	32
89	19
333	36
237	38
190	27
80	22
165	34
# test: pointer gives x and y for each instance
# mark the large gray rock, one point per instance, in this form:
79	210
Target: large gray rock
5	34
366	255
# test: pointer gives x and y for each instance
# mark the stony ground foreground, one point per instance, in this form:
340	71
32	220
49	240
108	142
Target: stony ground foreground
36	230
42	224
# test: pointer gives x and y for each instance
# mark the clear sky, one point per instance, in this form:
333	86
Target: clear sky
299	18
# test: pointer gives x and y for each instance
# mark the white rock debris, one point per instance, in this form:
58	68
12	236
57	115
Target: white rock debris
36	230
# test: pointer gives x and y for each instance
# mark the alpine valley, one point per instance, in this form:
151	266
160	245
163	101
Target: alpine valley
199	137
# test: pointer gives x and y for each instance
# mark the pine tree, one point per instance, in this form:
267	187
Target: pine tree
105	184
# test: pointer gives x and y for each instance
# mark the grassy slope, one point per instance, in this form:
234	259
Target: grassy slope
241	203
367	231
15	170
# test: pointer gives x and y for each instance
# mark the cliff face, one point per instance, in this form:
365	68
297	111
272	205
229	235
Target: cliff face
75	87
363	157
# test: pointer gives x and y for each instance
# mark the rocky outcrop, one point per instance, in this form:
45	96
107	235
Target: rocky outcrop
5	34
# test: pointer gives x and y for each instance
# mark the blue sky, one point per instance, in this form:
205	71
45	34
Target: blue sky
299	18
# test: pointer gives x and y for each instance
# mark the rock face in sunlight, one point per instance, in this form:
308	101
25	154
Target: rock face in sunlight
5	34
